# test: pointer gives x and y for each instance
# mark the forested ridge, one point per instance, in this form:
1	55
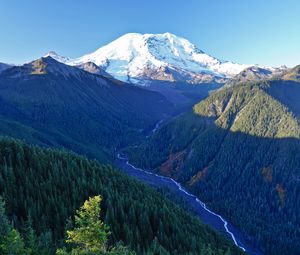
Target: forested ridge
239	151
42	189
55	105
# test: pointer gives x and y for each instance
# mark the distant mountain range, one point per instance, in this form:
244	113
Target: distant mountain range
144	58
147	59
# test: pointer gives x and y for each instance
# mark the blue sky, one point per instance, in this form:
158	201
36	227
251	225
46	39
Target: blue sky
258	31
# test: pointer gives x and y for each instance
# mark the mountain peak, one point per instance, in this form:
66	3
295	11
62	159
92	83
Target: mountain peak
42	66
137	56
57	57
49	69
51	53
147	35
49	65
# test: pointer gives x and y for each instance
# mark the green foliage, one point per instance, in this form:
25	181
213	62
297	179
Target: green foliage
251	110
30	238
242	156
11	243
49	185
90	234
5	227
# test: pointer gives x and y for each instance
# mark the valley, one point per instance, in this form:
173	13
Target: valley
238	150
191	202
190	154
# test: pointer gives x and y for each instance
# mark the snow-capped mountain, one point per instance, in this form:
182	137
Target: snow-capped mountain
57	57
142	58
138	57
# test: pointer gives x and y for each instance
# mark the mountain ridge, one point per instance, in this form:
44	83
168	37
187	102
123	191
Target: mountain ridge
255	74
66	106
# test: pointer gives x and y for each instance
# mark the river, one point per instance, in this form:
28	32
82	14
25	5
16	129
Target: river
206	215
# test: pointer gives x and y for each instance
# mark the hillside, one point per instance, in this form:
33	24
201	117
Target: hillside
255	74
239	151
51	104
292	74
49	185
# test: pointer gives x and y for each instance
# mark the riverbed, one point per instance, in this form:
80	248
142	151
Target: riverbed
199	208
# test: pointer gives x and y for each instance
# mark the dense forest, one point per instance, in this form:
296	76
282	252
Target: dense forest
89	235
239	151
43	188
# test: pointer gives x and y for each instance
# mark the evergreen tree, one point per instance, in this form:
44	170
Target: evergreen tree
49	185
5	227
30	238
90	235
11	243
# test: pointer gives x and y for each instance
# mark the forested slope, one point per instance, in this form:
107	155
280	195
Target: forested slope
51	104
239	150
47	186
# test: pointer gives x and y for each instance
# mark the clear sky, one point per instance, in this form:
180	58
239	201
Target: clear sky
245	31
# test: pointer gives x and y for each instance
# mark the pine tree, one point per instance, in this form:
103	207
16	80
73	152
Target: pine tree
90	234
13	244
30	238
5	227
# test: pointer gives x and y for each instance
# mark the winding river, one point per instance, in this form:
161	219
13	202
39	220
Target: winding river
198	207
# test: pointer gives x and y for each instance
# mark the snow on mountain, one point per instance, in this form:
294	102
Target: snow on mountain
138	58
57	57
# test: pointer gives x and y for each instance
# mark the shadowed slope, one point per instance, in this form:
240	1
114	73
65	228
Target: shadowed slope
87	113
239	151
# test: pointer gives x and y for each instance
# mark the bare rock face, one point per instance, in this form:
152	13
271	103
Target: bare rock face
93	68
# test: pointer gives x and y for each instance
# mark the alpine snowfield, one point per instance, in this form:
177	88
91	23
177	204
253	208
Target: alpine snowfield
139	56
